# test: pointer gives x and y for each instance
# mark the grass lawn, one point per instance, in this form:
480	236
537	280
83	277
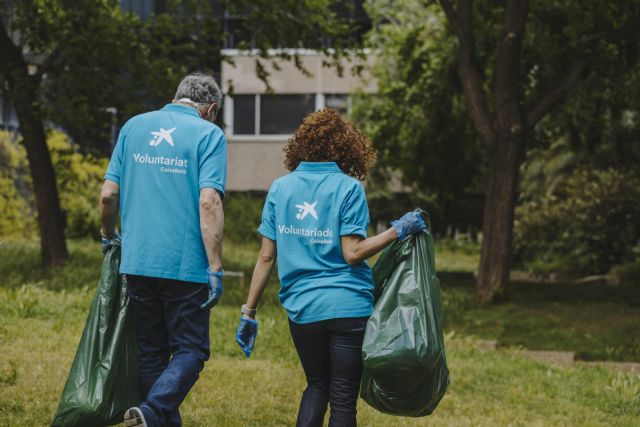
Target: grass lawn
42	316
40	330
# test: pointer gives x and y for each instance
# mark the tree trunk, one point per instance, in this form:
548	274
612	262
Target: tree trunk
53	245
23	92
497	225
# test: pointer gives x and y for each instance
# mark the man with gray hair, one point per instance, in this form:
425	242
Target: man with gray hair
166	177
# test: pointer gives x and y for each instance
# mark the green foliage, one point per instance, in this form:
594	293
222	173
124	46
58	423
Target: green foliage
242	216
628	277
79	177
420	122
15	203
586	225
629	274
96	55
417	120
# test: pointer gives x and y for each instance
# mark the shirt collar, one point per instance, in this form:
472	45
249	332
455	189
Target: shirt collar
318	167
179	108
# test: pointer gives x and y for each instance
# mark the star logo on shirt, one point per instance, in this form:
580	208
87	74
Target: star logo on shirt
305	209
162	135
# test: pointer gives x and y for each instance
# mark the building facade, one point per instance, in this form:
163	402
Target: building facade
259	122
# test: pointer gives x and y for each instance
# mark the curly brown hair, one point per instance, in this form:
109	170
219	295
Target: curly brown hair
324	136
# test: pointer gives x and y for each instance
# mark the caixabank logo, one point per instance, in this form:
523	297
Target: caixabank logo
168	164
316	236
305	209
162	135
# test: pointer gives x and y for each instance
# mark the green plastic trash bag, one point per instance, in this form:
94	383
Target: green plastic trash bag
404	365
103	381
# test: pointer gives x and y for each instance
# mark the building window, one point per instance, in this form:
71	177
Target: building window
338	102
278	114
282	114
244	114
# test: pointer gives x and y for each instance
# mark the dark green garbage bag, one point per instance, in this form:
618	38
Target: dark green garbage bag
103	381
405	369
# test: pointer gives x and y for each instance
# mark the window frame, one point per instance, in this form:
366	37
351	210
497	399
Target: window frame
229	119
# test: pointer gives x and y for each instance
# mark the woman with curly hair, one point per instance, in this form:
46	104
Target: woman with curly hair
316	218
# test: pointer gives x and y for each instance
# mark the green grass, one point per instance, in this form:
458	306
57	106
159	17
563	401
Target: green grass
40	330
453	256
596	321
42	316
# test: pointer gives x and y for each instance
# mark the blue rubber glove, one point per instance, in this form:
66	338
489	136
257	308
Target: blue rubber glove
107	242
215	289
410	223
246	335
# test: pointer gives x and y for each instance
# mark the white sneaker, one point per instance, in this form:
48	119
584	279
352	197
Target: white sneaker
133	417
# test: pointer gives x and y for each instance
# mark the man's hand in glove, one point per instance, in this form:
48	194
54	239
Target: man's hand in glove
215	289
108	240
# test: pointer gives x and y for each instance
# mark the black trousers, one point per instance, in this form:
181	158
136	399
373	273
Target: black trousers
331	355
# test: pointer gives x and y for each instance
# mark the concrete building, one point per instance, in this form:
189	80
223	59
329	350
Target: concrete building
258	124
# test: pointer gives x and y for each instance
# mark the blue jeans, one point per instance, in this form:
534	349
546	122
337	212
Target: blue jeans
331	355
172	333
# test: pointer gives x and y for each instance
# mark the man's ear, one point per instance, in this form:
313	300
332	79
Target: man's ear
212	111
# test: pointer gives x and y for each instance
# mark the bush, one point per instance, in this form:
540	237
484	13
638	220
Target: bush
17	219
587	225
79	177
628	276
242	216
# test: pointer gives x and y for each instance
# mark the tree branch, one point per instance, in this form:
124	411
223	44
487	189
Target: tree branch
450	12
507	78
470	75
10	55
49	62
558	94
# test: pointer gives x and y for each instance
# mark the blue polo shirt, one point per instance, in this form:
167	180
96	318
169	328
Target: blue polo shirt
305	213
161	161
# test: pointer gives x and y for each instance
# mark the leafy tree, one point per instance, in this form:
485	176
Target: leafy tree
516	61
64	62
417	118
37	38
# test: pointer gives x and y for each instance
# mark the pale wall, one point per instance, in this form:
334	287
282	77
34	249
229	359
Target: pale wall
243	79
254	164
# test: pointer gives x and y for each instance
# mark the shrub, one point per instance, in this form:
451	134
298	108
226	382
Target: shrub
587	225
17	219
628	276
79	177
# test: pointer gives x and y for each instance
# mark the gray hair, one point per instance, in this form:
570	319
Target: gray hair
199	89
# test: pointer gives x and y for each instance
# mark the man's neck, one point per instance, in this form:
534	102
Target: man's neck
187	104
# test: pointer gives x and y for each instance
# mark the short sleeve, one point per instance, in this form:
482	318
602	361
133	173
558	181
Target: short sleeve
114	171
213	162
268	226
354	213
